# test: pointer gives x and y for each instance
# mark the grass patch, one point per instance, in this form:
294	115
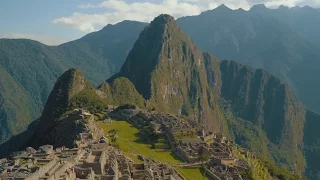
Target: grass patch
129	143
192	173
190	135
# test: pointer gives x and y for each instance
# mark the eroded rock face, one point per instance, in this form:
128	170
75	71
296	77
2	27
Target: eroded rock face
67	86
171	73
69	131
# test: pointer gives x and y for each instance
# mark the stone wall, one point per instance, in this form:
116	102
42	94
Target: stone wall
211	175
98	167
41	172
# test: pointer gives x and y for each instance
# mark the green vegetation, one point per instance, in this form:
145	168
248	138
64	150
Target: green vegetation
131	144
167	69
311	145
262	168
13	106
101	116
127	106
88	99
285	51
257	170
189	135
32	68
192	173
120	92
278	172
247	135
263	107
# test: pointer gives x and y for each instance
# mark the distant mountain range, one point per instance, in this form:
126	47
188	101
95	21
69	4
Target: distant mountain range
170	72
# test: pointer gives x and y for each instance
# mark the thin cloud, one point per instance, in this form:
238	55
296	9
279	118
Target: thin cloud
119	10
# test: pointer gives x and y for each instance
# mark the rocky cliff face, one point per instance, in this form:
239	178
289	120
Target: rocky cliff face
68	129
170	72
67	86
120	91
276	40
268	103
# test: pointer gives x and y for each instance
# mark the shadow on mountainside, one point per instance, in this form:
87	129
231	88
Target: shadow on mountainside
18	142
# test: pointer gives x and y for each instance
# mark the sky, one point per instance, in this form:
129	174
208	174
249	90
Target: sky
53	22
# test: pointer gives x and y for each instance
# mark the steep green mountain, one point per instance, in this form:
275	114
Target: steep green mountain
311	141
120	91
31	69
255	108
170	72
71	90
270	105
264	38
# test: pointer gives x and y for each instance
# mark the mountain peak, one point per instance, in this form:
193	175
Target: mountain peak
224	7
162	22
282	7
258	7
163	19
157	45
69	84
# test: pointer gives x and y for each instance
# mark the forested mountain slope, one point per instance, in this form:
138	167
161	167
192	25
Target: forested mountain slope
31	69
257	109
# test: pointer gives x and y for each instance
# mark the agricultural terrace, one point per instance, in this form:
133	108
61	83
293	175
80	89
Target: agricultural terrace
129	140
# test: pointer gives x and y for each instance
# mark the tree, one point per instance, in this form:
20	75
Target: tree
204	157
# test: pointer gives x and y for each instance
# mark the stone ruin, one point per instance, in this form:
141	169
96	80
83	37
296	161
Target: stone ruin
215	145
91	159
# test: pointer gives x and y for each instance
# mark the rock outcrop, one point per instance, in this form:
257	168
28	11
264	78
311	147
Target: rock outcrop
68	85
171	73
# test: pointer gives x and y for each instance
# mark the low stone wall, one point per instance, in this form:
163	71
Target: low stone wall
41	172
210	174
179	175
98	167
99	146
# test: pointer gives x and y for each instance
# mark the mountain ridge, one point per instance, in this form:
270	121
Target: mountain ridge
182	80
35	67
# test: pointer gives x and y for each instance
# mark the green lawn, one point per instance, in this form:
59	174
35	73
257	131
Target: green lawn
184	136
191	173
128	142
